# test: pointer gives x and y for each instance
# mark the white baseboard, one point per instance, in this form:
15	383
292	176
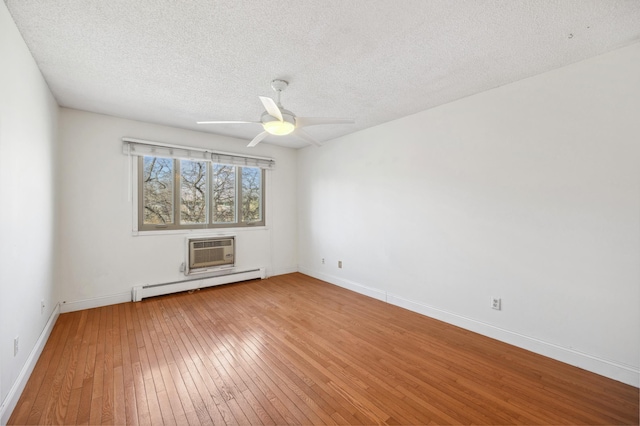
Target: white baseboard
224	277
349	285
11	400
283	271
114	299
95	302
614	370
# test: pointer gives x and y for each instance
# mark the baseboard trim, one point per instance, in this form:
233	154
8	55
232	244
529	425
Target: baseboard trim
614	370
349	285
114	299
11	400
95	302
604	367
224	277
283	271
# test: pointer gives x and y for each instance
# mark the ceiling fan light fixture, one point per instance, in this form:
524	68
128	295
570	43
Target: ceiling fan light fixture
275	126
279	128
279	121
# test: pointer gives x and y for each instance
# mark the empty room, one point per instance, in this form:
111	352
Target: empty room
320	212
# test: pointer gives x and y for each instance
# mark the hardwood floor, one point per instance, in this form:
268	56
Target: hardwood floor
295	350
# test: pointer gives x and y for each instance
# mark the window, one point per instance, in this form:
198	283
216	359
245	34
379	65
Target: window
177	193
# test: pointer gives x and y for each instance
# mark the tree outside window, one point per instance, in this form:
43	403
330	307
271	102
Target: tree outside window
185	194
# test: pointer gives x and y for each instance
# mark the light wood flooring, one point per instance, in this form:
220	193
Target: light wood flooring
295	350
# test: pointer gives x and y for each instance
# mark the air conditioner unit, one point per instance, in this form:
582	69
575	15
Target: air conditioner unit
209	254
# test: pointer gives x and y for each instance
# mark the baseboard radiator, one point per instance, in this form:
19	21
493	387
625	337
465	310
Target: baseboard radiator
227	277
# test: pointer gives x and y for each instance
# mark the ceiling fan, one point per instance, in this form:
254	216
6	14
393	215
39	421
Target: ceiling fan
278	121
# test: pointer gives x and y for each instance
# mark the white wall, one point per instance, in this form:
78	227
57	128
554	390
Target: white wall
529	192
101	259
28	120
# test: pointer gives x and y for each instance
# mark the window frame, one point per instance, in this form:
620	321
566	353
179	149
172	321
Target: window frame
177	226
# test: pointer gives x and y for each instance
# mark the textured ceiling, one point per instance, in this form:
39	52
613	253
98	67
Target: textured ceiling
176	62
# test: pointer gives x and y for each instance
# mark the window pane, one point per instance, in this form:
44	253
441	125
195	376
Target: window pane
193	189
157	185
223	193
251	194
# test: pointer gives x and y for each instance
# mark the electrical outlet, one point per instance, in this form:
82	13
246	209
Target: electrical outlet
42	307
496	303
323	260
340	264
16	345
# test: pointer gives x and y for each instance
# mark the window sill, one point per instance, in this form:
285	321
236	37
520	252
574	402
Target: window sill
207	231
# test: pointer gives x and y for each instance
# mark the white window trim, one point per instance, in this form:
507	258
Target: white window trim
141	147
133	187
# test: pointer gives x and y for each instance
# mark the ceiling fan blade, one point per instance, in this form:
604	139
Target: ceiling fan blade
227	122
271	107
313	121
304	135
258	139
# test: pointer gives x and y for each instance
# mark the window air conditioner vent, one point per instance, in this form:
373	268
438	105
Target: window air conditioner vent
218	243
207	253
